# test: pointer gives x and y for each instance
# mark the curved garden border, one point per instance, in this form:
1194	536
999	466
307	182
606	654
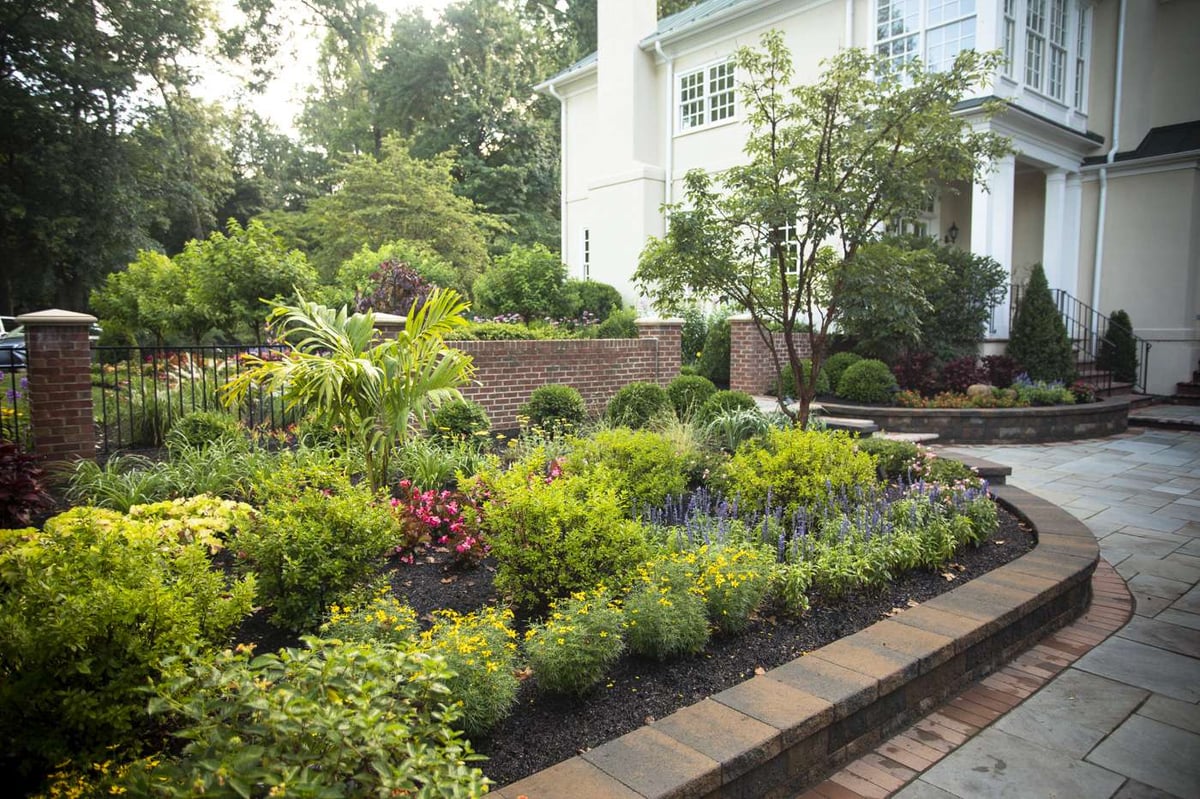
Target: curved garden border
996	425
786	729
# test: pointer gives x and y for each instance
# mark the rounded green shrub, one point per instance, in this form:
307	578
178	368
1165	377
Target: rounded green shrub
199	429
835	365
721	402
643	466
89	609
573	649
459	420
480	650
867	381
893	459
555	408
665	615
785	386
618	324
552	537
797	468
714	358
636	404
688	393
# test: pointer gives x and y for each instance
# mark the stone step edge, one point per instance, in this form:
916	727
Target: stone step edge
788	728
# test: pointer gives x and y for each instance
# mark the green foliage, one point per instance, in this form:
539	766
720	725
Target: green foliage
494	331
1038	339
797	468
555	408
381	619
713	362
23	488
1118	349
311	548
618	324
733	579
598	300
722	402
573	649
372	390
835	365
527	281
695	331
1043	393
785	386
728	429
201	429
459	420
89	608
893	459
353	278
552	537
642	466
122	482
635	405
480	650
337	719
688	394
817	169
148	296
665	612
868	380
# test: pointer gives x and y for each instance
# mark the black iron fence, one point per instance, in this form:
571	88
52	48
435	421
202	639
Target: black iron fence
14	407
139	392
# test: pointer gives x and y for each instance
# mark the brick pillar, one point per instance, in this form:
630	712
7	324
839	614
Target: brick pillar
751	368
389	324
669	333
60	384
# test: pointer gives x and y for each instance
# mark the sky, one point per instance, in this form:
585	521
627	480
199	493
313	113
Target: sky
281	101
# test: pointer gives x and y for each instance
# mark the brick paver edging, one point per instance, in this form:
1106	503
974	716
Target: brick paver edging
779	732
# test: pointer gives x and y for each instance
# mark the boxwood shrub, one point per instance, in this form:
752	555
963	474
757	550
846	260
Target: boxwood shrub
636	404
867	381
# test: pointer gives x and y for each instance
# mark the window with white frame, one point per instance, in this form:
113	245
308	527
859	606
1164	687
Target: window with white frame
935	30
787	238
587	254
1010	36
1035	43
1057	86
707	96
1081	43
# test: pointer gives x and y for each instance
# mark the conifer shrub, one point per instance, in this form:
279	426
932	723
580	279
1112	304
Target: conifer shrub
555	408
714	358
636	404
1118	350
1039	337
868	380
688	393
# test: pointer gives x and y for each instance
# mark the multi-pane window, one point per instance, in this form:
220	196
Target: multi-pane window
587	253
1035	42
1057	87
947	29
1081	58
784	240
1010	36
707	96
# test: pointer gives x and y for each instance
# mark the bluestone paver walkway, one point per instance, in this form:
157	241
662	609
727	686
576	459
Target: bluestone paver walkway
1107	707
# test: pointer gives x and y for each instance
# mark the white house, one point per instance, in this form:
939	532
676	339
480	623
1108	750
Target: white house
1105	117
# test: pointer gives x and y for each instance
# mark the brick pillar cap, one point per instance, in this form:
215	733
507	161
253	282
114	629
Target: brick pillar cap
741	317
653	321
56	318
390	319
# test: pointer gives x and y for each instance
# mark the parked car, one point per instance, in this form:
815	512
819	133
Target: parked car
12	350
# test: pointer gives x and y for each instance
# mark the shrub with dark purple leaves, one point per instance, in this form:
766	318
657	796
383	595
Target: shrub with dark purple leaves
961	373
22	486
1001	369
914	372
395	287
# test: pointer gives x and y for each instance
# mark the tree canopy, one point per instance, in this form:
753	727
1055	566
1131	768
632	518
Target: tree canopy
828	166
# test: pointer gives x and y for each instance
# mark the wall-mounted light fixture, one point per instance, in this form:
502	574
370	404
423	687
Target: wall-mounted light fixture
952	234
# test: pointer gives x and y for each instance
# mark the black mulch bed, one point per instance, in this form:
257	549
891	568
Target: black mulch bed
543	729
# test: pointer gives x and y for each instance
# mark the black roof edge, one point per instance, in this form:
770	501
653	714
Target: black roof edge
1181	137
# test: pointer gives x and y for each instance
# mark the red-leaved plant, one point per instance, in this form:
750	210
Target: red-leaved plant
22	486
448	519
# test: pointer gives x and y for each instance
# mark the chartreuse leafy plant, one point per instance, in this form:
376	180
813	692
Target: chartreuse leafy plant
643	466
797	468
834	161
335	719
572	650
373	390
89	608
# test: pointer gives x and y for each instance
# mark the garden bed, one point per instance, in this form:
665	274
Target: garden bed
995	425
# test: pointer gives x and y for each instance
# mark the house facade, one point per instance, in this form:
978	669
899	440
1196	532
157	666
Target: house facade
1104	116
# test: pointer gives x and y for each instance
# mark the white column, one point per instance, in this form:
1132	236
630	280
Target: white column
992	227
1053	234
1072	219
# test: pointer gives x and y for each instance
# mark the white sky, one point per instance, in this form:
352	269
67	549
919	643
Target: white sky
282	100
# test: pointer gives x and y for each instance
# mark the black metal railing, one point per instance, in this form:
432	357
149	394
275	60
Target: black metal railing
139	392
1086	328
14	407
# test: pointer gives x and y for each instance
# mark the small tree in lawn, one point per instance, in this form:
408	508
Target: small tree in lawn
1118	350
1039	338
829	166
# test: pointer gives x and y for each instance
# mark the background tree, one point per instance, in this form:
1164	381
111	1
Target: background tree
1039	340
1118	350
833	161
356	276
147	297
527	281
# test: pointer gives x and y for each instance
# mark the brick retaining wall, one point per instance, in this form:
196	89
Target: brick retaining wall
751	368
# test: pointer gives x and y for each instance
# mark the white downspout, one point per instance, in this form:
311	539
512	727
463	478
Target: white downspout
669	136
1118	84
562	168
849	24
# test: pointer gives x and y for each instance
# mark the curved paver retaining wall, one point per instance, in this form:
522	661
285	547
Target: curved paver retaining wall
781	731
996	425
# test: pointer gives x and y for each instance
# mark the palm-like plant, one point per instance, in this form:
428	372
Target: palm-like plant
373	390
